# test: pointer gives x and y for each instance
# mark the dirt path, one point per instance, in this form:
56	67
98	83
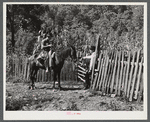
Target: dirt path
72	98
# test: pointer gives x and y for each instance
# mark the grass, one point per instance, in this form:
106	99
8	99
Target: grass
19	98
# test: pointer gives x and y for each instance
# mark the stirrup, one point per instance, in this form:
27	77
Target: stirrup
47	69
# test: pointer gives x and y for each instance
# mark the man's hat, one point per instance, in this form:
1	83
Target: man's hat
92	48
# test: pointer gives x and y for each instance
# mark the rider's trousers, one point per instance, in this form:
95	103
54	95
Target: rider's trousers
51	56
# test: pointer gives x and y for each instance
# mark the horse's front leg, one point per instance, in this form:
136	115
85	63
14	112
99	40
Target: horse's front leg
54	78
59	86
33	84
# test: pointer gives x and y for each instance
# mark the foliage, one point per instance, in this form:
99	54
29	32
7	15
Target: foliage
120	26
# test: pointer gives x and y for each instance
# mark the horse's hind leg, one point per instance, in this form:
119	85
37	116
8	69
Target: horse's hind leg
32	85
33	75
31	78
34	78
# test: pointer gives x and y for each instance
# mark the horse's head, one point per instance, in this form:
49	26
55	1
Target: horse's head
73	54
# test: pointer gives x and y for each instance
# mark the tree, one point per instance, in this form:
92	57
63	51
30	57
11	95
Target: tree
10	23
22	18
117	24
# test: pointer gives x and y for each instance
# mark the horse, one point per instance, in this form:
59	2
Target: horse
59	57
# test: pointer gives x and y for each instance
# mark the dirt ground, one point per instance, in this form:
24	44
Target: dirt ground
71	98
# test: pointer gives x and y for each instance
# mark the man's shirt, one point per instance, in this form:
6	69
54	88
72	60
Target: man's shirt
92	58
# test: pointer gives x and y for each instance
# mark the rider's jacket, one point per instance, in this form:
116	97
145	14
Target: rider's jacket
46	45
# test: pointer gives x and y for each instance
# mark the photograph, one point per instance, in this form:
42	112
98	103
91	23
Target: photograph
75	60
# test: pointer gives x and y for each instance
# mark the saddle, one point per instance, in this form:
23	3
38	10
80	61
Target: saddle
44	57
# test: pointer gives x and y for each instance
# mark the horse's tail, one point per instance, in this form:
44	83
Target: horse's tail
29	65
30	61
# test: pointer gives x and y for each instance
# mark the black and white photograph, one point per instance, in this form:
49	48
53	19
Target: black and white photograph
74	60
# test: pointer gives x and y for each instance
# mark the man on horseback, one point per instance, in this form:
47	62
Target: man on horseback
42	35
47	53
38	44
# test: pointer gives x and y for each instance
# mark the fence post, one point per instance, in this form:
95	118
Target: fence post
93	68
138	80
141	90
118	71
98	68
121	74
134	76
113	77
105	72
99	74
25	69
22	66
111	72
16	67
124	76
42	76
126	81
131	75
37	78
28	71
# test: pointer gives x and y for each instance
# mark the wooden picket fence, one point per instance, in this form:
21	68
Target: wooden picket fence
115	75
19	68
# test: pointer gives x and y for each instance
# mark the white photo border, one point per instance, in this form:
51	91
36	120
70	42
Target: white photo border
84	115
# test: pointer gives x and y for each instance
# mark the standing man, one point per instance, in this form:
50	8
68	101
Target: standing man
91	57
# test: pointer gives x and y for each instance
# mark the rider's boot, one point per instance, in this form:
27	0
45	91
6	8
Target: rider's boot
46	69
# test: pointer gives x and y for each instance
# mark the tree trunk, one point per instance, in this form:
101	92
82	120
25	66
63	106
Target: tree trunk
10	11
12	29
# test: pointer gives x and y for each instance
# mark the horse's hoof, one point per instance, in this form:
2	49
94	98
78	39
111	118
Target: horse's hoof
54	90
85	88
60	88
31	88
